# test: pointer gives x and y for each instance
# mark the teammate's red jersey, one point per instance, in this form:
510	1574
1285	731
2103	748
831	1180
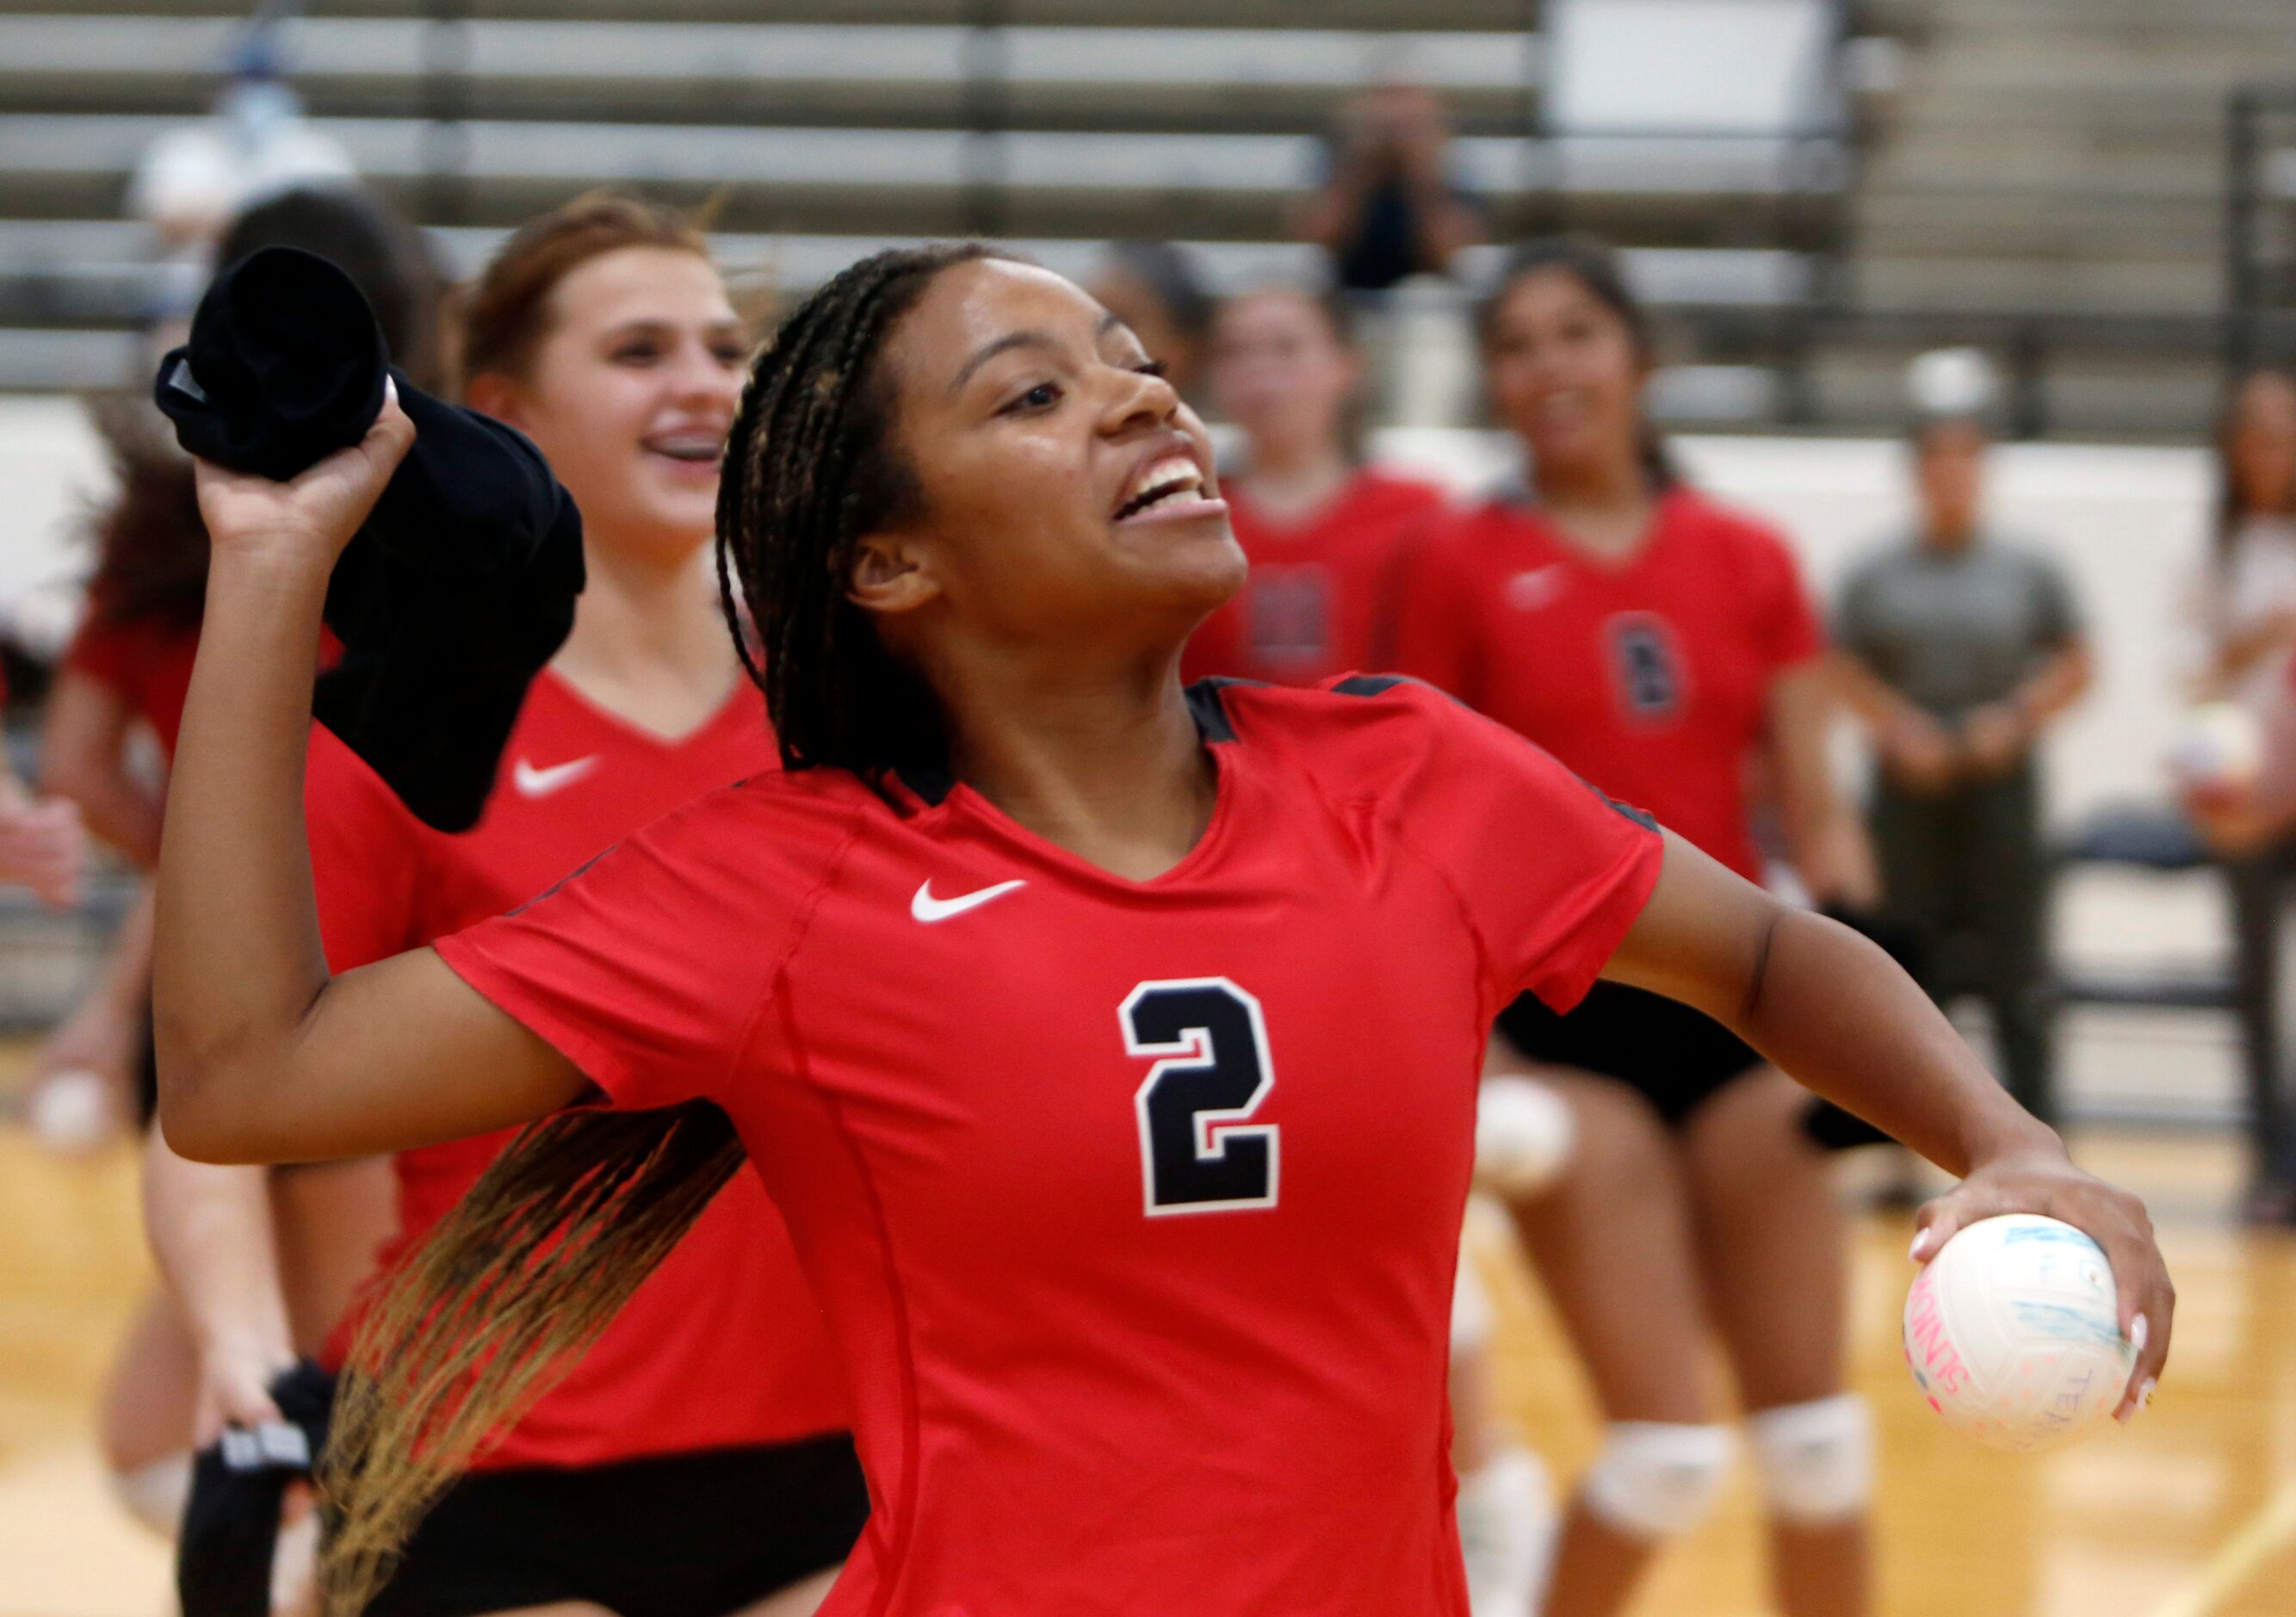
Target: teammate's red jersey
147	664
724	1345
1134	1205
1318	601
1651	677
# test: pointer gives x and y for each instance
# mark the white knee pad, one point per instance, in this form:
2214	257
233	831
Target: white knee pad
1654	1478
155	1493
1815	1459
1470	1309
1523	1134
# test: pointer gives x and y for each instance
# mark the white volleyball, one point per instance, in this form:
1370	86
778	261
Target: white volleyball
2220	743
1523	1134
2013	1333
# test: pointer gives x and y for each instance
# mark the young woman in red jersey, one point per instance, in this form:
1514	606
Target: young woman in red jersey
1112	1049
1324	531
1661	646
1325	534
128	670
694	1463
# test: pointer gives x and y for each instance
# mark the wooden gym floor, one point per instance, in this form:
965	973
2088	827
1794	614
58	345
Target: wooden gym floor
2190	1512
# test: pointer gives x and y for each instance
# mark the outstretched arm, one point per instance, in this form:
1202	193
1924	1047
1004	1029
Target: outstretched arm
1836	1013
263	1057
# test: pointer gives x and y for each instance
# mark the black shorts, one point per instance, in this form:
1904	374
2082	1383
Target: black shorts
1676	1056
681	1535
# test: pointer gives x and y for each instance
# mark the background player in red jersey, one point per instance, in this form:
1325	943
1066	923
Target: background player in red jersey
1662	646
128	669
694	1463
1112	1052
1324	533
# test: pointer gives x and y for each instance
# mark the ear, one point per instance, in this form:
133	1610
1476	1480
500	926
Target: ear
890	575
492	393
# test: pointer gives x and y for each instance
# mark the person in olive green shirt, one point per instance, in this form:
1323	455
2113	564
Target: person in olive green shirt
1959	649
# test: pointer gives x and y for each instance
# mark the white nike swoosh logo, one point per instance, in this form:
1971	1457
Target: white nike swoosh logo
532	782
927	908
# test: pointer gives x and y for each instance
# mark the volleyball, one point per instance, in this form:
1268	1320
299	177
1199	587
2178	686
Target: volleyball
2220	743
2013	1333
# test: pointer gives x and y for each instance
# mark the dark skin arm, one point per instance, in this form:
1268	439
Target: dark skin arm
1834	1012
262	1056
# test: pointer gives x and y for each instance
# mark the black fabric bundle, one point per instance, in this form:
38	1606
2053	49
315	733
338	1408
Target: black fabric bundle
231	1524
460	584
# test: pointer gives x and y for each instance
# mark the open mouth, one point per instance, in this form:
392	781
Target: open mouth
1174	481
689	448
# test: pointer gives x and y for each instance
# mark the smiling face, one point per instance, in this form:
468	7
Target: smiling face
630	394
1565	371
1063	497
1281	371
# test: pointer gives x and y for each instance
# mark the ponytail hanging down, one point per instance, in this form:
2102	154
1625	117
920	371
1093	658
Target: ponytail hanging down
541	1253
509	1288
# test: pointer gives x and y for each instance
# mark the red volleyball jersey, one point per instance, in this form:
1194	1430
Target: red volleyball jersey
1651	677
147	664
723	1344
1134	1205
1318	601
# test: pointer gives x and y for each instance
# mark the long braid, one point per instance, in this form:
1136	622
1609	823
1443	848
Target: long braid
534	1262
810	471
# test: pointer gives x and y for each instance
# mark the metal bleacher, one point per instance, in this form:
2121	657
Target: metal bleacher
843	123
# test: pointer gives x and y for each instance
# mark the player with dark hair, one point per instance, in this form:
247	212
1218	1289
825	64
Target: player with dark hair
694	1461
1112	1048
1662	646
1326	534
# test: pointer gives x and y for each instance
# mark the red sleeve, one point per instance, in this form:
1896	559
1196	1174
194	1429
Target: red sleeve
1789	624
1550	872
366	856
1435	610
648	968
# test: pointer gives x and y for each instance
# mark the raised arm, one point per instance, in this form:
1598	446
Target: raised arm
262	1056
1835	1013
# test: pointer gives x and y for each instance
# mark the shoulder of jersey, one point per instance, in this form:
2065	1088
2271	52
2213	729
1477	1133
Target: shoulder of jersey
1324	722
1726	523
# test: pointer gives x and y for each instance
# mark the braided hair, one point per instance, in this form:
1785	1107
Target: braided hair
531	1267
810	468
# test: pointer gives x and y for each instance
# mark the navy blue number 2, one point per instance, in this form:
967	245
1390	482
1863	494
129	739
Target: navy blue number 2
1199	1153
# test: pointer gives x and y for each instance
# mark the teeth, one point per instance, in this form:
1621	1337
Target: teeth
1173	475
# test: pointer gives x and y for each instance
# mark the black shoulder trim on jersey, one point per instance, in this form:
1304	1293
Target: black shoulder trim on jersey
1647	821
931	784
1372	684
1210	714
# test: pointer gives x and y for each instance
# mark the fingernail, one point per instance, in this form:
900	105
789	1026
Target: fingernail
1921	1244
2139	1333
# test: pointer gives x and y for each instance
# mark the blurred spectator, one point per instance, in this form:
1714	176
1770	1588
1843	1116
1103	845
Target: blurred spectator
2250	620
192	181
2250	606
1388	207
1959	649
1324	533
1154	288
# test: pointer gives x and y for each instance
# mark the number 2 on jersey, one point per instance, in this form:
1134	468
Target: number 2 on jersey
1211	1073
